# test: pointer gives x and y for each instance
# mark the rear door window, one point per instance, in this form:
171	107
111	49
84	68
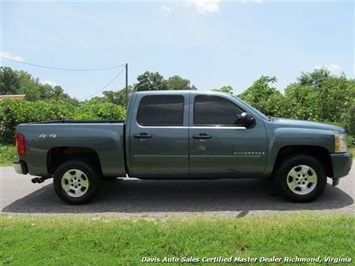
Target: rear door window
161	110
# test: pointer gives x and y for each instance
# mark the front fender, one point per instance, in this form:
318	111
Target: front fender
296	137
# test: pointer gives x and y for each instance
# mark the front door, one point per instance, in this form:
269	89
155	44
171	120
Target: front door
219	146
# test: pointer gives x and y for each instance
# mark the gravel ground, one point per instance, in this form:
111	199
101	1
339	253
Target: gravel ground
133	198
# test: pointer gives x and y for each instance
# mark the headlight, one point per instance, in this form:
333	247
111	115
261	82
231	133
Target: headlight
341	144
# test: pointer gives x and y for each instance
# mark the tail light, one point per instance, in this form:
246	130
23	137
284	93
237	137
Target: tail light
20	144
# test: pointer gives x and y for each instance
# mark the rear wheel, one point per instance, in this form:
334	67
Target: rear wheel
300	178
76	182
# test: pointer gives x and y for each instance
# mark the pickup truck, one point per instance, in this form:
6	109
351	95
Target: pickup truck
184	135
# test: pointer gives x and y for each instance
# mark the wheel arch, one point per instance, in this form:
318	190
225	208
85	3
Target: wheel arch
58	155
317	152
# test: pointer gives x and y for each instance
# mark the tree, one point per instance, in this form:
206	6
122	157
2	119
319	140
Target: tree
315	78
20	82
226	89
320	96
112	97
349	120
154	81
178	83
29	86
47	92
299	102
263	97
118	97
9	81
149	81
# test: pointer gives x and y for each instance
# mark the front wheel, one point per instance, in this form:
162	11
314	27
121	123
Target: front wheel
76	182
300	178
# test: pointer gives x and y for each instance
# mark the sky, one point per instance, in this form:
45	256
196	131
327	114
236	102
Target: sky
211	43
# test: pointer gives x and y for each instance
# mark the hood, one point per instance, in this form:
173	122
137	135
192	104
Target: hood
307	124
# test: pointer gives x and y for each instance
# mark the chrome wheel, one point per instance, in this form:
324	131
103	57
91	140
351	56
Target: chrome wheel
302	179
75	183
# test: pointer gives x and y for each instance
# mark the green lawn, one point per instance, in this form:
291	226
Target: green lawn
53	240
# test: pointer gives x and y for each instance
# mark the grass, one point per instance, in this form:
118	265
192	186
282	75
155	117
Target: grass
53	240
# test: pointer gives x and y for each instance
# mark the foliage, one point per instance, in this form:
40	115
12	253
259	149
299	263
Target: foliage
20	82
116	97
318	96
8	154
266	99
178	83
48	240
121	97
349	120
225	89
154	81
12	112
15	111
9	81
351	144
94	110
146	82
149	81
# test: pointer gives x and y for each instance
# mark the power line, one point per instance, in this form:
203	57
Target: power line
106	84
59	68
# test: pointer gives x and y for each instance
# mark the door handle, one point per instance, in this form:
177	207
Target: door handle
202	136
143	136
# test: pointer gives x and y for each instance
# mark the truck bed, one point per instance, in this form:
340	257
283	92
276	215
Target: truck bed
103	140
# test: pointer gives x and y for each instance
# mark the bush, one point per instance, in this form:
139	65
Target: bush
96	110
15	111
8	154
12	112
349	120
351	142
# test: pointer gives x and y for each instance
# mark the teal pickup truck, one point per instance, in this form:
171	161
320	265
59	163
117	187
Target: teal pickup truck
184	135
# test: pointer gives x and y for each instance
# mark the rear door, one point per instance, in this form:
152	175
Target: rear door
159	137
219	146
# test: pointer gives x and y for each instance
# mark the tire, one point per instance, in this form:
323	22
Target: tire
76	182
300	178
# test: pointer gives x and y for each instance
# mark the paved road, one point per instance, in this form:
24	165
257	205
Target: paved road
164	199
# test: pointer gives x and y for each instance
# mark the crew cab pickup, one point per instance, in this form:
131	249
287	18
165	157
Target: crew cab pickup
184	135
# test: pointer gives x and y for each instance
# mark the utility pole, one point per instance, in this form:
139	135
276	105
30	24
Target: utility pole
126	85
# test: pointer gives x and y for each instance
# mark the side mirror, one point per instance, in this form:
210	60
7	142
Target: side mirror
247	120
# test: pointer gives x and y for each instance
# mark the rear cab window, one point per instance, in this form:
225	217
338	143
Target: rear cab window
161	110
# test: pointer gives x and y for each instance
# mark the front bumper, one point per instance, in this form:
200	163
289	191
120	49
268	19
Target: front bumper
342	163
20	167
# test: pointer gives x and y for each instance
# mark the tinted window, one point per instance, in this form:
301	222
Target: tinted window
161	110
215	111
